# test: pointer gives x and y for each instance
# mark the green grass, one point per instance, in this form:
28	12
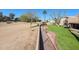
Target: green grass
65	40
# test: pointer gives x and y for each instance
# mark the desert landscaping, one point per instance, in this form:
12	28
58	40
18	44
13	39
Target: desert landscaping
16	36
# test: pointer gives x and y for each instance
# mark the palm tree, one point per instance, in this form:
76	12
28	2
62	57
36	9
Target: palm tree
44	12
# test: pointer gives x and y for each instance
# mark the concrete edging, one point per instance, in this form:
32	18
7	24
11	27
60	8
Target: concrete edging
37	42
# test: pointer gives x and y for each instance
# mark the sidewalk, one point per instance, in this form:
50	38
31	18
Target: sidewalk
50	40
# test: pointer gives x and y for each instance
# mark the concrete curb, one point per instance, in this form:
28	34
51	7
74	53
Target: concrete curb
37	42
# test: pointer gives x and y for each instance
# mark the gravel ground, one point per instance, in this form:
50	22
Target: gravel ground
17	36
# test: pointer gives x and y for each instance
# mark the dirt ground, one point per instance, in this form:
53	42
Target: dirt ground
17	36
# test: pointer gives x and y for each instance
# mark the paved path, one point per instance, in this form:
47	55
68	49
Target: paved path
49	39
52	37
17	36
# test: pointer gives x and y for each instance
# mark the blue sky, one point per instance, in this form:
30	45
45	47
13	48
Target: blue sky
19	12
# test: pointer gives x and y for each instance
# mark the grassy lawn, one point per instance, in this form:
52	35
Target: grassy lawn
65	40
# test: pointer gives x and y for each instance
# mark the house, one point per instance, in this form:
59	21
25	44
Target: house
72	21
51	22
62	21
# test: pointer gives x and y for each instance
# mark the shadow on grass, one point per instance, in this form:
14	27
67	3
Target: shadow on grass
75	35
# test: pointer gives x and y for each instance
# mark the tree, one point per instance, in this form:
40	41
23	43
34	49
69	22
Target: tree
16	19
5	18
11	15
44	12
36	18
1	16
24	18
57	15
29	17
66	22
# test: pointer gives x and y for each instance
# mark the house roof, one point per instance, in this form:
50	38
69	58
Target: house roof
73	19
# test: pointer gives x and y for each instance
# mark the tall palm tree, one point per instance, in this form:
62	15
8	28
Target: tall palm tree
44	12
